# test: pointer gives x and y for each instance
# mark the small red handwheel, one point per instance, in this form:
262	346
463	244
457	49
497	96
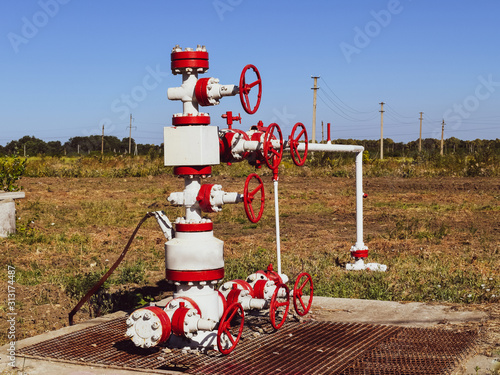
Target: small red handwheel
298	159
302	289
245	90
249	196
278	308
228	335
271	156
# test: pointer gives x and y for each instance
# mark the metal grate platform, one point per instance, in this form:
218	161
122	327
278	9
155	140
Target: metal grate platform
297	348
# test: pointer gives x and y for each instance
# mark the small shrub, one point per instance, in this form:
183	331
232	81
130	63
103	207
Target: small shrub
11	170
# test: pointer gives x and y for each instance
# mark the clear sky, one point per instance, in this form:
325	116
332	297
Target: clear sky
68	66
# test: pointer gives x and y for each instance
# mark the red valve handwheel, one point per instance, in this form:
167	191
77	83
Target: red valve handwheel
271	156
281	303
249	196
298	159
245	90
303	287
228	335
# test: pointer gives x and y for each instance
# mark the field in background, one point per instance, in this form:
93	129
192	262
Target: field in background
439	236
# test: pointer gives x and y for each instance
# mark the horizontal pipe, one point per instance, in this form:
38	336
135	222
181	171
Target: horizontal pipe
330	148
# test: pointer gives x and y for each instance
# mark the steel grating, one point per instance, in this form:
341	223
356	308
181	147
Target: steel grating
298	348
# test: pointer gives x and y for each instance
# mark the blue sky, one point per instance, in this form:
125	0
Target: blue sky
67	65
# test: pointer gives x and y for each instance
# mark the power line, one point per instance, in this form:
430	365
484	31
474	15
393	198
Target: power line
348	106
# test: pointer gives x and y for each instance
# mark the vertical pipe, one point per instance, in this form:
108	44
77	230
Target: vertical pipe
277	215
328	139
191	188
359	200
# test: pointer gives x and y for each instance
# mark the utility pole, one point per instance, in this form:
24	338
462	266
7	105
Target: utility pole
315	88
382	130
442	137
130	136
420	138
102	140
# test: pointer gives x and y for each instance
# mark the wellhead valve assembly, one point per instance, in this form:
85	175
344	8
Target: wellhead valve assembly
199	315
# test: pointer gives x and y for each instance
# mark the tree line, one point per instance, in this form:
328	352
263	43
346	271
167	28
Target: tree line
32	146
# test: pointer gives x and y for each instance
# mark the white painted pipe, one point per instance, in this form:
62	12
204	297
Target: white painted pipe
359	200
359	179
277	216
330	148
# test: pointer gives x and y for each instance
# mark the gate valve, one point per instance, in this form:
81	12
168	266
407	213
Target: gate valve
272	157
249	196
229	334
293	142
244	298
303	287
279	301
230	118
264	289
231	145
208	91
211	198
244	90
148	326
186	322
240	291
241	284
274	276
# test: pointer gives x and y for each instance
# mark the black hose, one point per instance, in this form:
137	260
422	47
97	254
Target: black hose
96	287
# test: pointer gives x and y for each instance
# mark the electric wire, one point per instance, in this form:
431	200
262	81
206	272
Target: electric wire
346	105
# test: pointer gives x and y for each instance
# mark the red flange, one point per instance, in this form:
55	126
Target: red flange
190	120
258	288
197	170
203	197
189	59
200	227
186	276
200	92
359	253
178	321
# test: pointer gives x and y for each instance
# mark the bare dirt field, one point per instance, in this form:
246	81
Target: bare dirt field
439	237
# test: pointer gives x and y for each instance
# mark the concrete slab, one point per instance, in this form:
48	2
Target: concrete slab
412	314
324	309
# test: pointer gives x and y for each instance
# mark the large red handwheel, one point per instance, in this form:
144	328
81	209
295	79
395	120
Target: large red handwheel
271	156
279	306
298	159
302	289
245	90
249	196
228	335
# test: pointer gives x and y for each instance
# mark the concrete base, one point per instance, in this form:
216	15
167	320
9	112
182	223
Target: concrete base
326	309
7	217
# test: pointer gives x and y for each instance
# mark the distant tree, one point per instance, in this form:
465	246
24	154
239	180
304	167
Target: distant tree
54	148
34	146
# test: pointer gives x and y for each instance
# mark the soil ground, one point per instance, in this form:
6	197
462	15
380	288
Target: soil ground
73	226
